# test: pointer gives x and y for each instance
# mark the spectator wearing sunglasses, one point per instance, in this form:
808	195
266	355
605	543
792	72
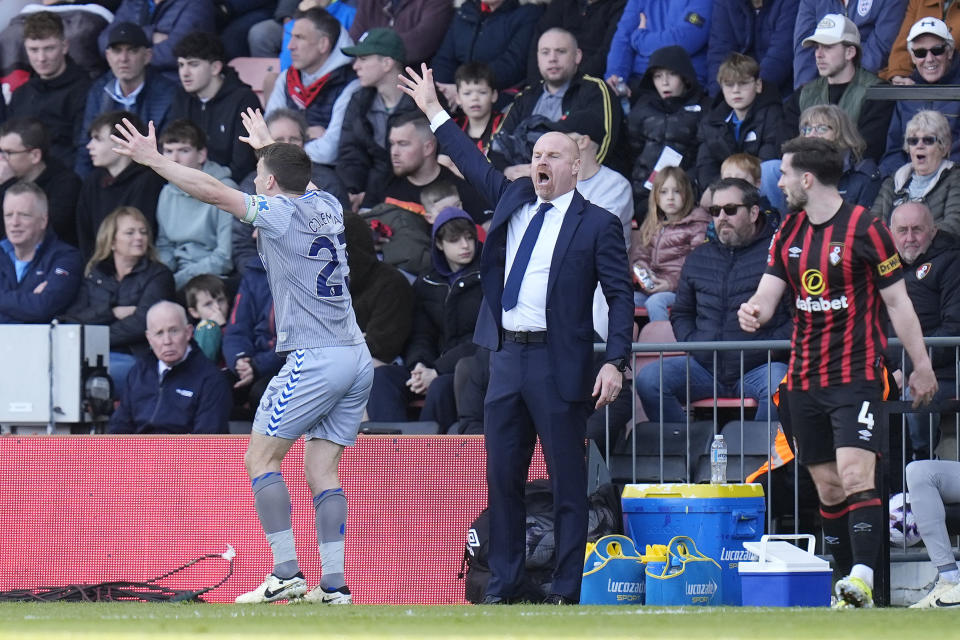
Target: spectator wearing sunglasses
935	62
716	278
930	176
900	63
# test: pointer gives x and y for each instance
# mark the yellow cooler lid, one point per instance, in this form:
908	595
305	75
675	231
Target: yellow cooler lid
751	490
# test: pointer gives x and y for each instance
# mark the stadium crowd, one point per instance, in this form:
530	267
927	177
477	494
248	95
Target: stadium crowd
679	108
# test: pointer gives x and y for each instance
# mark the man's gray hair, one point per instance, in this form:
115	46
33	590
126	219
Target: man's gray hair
26	186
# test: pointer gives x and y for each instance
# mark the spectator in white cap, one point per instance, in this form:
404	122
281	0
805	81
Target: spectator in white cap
877	21
931	48
935	62
841	81
900	64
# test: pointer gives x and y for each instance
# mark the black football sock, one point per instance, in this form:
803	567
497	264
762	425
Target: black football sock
867	523
836	535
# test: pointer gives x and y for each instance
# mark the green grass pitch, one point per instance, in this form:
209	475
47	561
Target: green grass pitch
109	621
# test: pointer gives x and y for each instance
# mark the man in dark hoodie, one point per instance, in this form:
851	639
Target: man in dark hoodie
667	112
115	181
382	297
57	88
744	119
447	305
213	96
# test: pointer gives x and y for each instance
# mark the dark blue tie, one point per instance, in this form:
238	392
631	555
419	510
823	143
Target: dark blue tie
511	290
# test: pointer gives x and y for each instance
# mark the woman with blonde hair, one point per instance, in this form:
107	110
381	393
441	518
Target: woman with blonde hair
861	176
930	177
122	280
672	229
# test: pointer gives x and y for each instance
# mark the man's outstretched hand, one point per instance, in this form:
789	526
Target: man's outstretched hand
131	143
421	89
258	136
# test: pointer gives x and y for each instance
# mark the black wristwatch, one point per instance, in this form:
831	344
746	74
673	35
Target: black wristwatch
619	363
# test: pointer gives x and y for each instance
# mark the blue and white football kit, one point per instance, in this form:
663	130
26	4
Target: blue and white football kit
322	389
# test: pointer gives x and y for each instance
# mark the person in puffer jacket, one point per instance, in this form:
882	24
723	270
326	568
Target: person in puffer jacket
672	229
667	112
716	278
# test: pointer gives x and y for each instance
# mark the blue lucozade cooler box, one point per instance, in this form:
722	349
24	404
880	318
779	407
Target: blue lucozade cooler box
719	518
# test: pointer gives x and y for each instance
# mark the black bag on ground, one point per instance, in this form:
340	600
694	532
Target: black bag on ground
604	518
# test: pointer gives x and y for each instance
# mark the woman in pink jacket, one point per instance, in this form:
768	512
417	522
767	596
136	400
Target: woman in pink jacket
672	229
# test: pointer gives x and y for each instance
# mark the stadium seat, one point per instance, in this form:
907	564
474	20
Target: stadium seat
677	465
400	428
255	72
727	409
657	332
240	427
724	403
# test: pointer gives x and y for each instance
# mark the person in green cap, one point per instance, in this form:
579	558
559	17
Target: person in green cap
363	163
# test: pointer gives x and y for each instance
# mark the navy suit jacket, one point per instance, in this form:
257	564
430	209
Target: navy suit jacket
589	249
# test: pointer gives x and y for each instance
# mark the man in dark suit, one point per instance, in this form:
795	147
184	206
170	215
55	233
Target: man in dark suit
545	251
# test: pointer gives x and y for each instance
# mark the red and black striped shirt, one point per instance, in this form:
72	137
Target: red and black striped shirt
835	271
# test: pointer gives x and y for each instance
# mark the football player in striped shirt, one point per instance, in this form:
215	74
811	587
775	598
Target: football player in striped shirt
841	266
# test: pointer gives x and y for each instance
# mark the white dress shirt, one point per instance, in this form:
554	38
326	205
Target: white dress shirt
530	314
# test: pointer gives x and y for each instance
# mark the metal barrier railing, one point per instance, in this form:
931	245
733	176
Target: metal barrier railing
770	346
901	405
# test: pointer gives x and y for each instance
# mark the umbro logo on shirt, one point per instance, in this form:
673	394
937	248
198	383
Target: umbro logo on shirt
794	252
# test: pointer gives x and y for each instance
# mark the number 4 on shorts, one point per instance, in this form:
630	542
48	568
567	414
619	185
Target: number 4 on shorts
865	418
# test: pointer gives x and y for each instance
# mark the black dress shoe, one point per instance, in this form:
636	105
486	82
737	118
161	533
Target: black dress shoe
493	600
556	598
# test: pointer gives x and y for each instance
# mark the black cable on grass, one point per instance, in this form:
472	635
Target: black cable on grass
122	591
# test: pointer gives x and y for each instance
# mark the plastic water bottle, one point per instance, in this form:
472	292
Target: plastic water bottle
623	92
718	460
